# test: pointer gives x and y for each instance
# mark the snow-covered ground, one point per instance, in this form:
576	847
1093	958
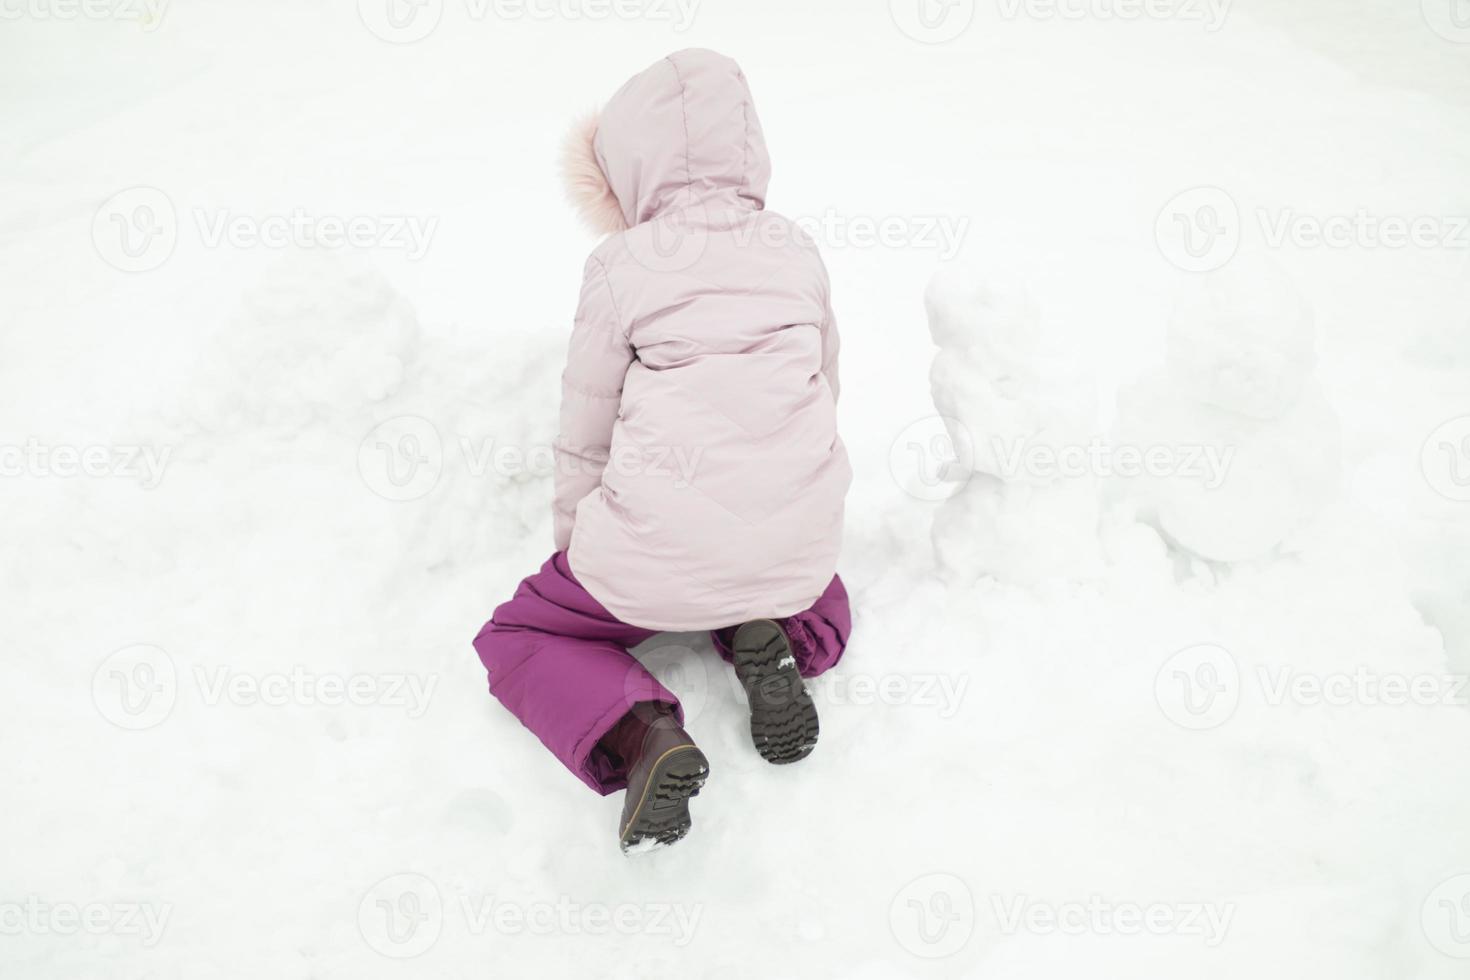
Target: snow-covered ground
260	490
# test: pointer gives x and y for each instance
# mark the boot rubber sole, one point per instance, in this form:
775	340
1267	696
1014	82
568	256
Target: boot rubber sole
662	814
783	718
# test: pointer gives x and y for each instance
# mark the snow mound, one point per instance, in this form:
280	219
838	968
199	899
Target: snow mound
1242	338
1012	399
320	336
1250	450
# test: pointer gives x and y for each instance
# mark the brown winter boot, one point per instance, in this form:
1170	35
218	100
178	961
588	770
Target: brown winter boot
665	768
783	718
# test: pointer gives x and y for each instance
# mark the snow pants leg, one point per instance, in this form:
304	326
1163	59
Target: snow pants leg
560	662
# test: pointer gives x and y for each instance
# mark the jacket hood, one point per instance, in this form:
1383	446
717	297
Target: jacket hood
682	132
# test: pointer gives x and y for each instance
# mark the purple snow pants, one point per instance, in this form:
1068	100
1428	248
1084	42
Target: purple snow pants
560	662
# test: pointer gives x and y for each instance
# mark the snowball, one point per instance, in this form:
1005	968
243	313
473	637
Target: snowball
1242	338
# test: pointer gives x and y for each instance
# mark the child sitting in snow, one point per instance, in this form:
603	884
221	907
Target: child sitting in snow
704	334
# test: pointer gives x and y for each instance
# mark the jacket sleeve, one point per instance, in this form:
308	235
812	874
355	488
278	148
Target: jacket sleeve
831	344
591	393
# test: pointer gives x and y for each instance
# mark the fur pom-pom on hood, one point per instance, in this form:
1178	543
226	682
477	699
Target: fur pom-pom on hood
586	185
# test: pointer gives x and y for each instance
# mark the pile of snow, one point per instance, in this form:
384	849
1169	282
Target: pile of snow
1253	446
1014	403
317	337
243	729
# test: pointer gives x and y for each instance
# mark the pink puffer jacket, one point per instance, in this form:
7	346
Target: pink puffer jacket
700	477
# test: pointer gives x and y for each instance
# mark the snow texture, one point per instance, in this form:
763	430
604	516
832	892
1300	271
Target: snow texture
1237	391
261	488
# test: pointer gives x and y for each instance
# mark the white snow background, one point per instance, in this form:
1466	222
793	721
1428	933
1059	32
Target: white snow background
242	729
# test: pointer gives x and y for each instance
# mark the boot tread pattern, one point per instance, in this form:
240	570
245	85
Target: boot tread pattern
783	718
663	815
